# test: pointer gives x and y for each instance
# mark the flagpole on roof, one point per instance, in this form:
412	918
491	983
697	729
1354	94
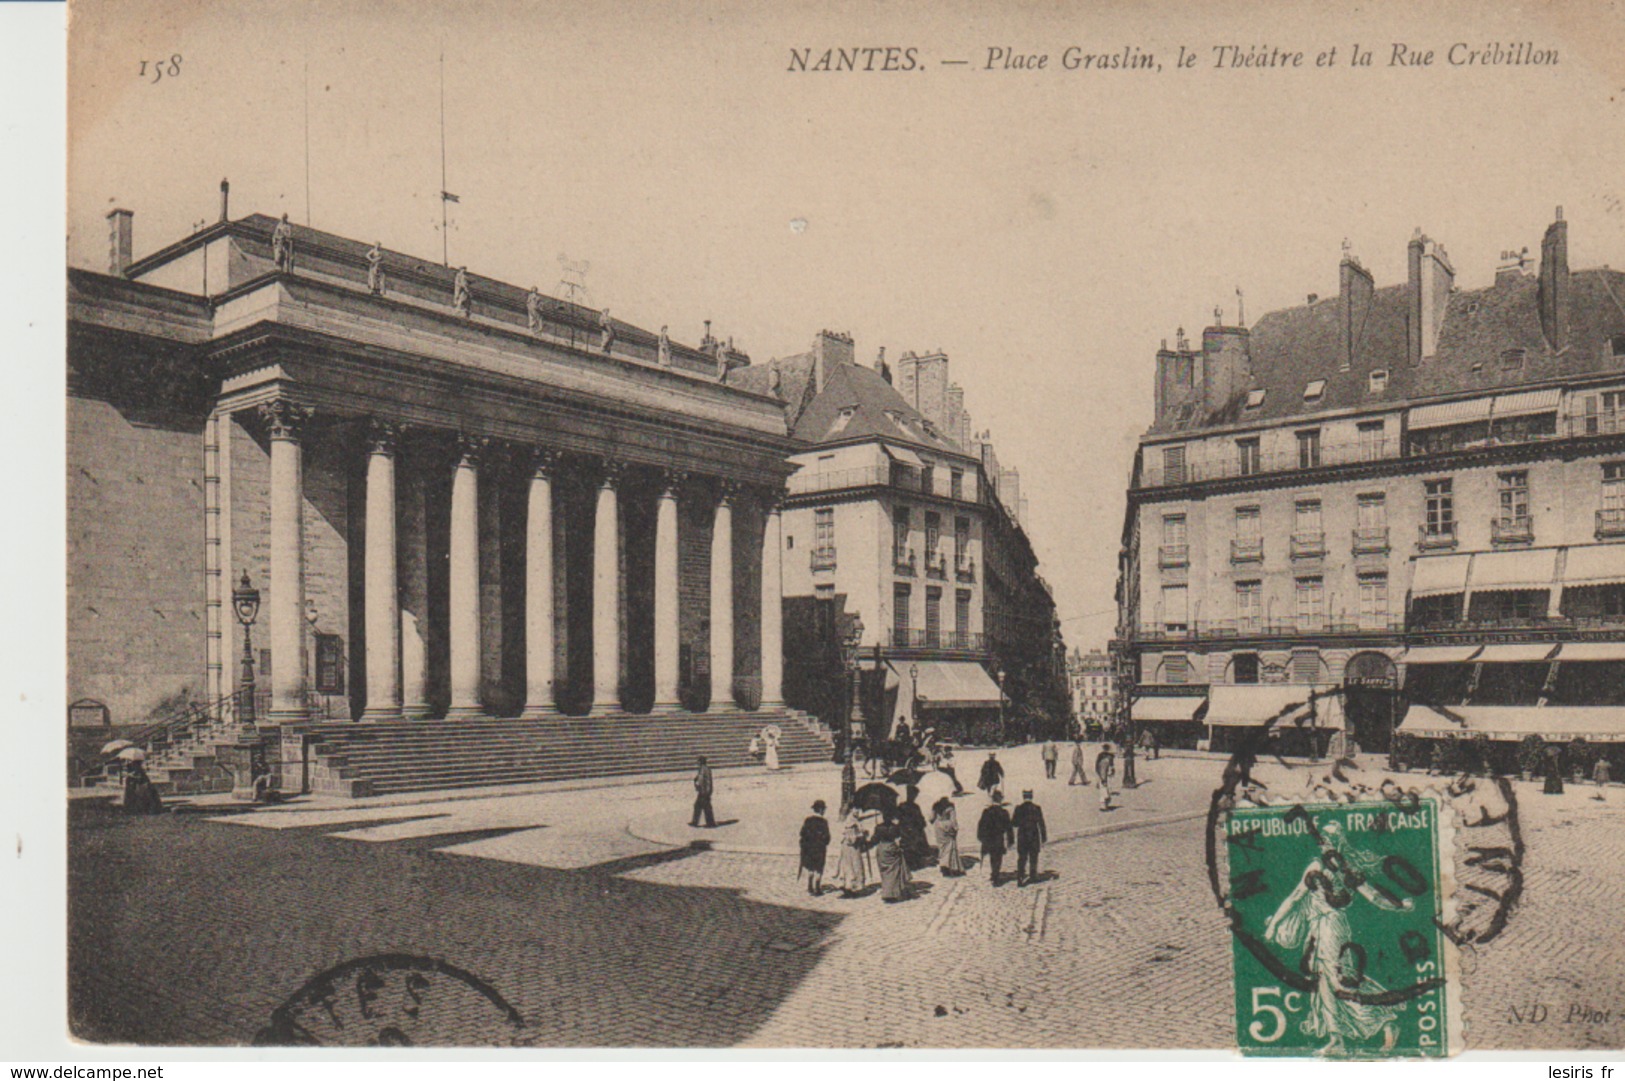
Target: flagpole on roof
445	196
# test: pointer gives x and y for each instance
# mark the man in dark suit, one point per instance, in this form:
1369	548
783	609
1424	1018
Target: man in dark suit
703	786
814	847
995	833
1028	822
992	774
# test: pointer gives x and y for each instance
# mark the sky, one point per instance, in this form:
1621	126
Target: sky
1046	228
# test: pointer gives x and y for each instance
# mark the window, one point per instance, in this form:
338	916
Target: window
1248	523
1372	440
1309	448
1613	487
1616	345
1305	666
901	524
1176	668
1373	601
1173	465
1175	617
933	536
1310	594
933	616
899	612
823	553
1249	605
956	483
1512	359
1513	491
1248	452
1245	668
1371	512
1255	398
1313	391
962	618
1306	516
1173	529
928	479
1377	381
329	664
1440	520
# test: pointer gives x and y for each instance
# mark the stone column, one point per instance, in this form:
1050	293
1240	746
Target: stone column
382	614
539	701
666	628
606	609
722	600
772	608
284	421
413	575
463	593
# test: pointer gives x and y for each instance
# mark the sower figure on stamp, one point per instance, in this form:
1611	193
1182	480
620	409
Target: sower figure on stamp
1080	775
996	834
703	785
1031	834
815	847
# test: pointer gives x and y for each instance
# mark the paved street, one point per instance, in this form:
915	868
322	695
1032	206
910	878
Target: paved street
193	927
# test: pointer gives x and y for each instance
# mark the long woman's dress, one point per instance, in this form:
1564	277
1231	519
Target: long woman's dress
770	753
894	880
946	820
849	874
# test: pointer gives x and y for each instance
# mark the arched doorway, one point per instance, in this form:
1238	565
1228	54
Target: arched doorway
1371	704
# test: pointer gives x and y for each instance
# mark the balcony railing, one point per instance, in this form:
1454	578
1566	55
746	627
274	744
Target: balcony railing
1518	623
1346	623
912	638
903	563
905	480
823	559
936	565
965	570
1611	522
1439	536
1174	555
1513	530
1370	540
1247	550
1308	545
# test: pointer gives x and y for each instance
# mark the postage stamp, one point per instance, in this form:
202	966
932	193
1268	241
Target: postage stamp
1339	914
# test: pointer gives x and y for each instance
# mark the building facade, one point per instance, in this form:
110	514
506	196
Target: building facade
891	523
1094	690
457	498
1414	494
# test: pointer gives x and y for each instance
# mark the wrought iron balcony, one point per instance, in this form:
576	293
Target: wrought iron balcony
1370	540
1247	550
823	559
915	638
1442	535
1611	522
1512	530
904	563
1308	545
1174	555
965	570
936	565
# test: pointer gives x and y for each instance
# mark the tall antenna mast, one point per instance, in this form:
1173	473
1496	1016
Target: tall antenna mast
446	197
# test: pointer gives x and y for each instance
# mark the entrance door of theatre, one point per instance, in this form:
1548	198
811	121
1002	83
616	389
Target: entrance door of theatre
1371	703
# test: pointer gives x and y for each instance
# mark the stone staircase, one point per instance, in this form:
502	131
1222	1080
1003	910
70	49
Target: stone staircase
366	759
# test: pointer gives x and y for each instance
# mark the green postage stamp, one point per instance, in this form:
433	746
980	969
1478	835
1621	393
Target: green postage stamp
1337	911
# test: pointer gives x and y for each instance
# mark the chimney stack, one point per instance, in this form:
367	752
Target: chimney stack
225	195
1554	283
1354	294
1429	277
829	349
121	241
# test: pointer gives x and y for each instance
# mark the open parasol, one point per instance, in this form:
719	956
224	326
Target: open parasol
116	746
132	754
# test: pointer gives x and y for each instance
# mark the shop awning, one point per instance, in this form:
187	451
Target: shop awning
1592	651
902	455
1594	564
1439	655
951	685
1437	416
1554	723
1439	574
1527	402
1182	708
1516	652
1255	704
1532	568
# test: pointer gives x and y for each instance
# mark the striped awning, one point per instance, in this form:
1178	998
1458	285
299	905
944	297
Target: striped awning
1180	708
1592	651
1516	652
1439	655
1439	574
1594	564
1531	568
1288	703
1443	413
903	455
1553	723
1526	402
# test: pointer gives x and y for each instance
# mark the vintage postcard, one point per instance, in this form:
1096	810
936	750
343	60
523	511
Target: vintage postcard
845	526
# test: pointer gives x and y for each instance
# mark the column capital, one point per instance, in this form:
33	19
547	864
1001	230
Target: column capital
384	436
728	491
772	498
544	462
472	449
284	418
611	472
671	481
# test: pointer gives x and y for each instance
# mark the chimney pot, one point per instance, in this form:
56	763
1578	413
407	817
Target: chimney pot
121	237
225	195
1313	297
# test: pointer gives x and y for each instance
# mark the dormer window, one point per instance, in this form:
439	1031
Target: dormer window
842	420
1314	390
1378	381
1616	346
1512	359
1255	398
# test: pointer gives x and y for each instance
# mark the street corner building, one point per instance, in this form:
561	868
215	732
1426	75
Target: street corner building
912	589
312	482
1407	499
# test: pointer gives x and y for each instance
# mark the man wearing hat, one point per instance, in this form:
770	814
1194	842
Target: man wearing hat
814	847
1028	822
995	833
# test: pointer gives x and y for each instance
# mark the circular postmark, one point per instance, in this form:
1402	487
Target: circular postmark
393	1000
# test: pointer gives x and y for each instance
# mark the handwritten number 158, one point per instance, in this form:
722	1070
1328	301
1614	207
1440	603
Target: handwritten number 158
160	68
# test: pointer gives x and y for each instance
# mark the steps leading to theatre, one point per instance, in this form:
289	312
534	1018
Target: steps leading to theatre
368	759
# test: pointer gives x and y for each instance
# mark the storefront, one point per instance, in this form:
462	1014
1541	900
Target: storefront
1301	717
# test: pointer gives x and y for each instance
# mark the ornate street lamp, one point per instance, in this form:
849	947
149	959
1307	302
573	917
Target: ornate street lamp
245	601
1004	734
914	695
851	646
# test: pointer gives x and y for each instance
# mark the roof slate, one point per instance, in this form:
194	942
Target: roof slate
878	411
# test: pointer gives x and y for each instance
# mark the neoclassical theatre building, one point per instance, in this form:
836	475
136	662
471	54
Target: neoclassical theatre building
458	501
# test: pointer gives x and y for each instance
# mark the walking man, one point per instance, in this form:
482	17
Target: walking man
703	786
996	834
1079	774
814	847
992	775
1105	766
945	764
1031	834
1051	755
